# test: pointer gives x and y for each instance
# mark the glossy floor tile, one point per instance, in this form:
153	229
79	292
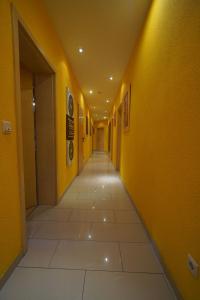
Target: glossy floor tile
119	232
115	204
39	253
118	286
91	246
43	284
92	216
78	204
87	255
32	227
127	216
63	231
43	213
139	258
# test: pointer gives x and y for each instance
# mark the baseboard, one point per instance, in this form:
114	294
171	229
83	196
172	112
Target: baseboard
168	277
10	270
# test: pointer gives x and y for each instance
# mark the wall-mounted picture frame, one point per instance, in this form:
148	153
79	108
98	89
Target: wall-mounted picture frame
126	109
69	126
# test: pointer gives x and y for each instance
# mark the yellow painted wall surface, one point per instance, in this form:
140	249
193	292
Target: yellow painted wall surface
35	18
101	124
160	163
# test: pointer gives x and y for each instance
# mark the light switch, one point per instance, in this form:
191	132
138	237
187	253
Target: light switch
6	127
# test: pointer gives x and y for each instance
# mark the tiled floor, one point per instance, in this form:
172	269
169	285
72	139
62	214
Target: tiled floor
92	246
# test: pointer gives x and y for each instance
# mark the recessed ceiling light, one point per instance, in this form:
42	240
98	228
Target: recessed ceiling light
105	117
91	91
107	101
111	78
80	50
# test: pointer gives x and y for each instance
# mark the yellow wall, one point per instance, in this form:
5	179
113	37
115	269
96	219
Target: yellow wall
160	163
36	19
101	124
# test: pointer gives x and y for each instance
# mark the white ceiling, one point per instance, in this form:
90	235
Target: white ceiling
107	30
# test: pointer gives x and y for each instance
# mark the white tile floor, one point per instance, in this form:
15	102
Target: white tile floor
92	246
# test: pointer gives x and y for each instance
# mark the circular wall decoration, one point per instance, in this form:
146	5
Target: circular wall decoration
69	126
70	105
71	150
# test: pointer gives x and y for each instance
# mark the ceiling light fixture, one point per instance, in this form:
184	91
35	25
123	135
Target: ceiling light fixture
80	50
107	101
111	78
91	92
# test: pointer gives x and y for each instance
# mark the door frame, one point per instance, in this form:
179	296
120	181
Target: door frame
16	22
119	137
111	144
79	108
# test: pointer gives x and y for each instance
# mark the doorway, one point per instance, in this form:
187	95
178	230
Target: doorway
109	138
36	134
100	139
119	136
80	138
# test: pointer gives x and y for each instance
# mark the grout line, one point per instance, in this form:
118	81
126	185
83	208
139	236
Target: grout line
120	253
84	284
97	209
90	270
71	222
34	231
97	241
54	252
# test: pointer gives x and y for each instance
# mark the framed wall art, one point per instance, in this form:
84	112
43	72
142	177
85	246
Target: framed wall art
126	109
69	126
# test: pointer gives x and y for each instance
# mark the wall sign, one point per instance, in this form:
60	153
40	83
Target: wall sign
126	109
69	126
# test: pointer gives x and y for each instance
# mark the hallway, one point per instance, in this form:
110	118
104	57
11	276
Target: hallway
91	246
